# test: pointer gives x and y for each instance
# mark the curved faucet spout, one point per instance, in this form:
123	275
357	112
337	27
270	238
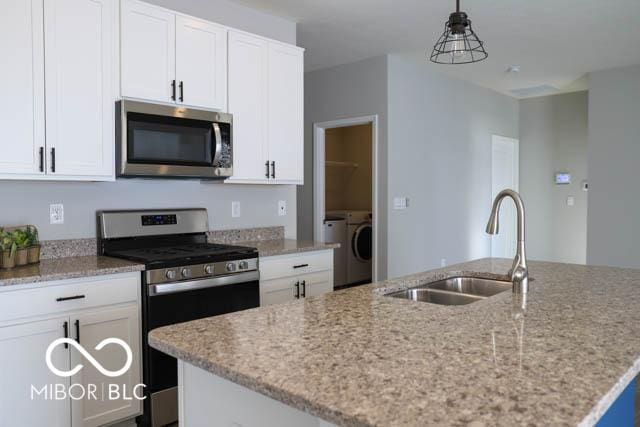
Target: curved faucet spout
519	272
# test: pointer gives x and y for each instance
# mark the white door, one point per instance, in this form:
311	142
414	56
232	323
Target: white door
201	63
248	104
80	95
148	51
504	174
22	357
22	71
286	112
94	327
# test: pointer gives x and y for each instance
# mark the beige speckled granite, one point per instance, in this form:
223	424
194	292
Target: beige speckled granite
358	358
243	235
66	268
288	246
67	248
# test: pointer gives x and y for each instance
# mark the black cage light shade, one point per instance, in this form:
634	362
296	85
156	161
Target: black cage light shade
459	44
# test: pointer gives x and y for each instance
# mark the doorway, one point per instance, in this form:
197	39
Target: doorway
505	161
346	187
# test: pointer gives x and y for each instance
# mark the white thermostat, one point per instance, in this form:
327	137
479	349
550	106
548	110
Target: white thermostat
563	178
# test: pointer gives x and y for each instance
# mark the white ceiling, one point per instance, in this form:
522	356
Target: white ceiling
555	42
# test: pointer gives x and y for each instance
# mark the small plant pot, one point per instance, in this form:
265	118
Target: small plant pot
7	260
22	256
34	254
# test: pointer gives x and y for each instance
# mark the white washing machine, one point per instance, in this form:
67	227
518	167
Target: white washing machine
359	245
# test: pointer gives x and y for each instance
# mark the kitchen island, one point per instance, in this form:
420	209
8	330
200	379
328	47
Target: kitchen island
359	358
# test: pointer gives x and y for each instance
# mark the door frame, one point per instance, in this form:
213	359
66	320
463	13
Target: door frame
495	140
319	130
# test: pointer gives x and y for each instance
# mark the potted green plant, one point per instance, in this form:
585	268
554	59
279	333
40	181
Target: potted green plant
21	239
34	245
8	249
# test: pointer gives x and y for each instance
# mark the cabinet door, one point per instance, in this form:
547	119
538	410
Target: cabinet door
278	291
248	104
201	63
22	71
22	357
318	283
286	112
79	74
148	51
94	327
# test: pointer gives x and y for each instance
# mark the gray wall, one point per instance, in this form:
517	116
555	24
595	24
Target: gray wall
613	226
553	138
440	158
28	202
357	89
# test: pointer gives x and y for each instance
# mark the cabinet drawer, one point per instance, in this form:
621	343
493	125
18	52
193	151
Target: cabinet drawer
284	289
295	265
77	294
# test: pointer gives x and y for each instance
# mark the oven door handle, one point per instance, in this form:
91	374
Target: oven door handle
218	136
170	288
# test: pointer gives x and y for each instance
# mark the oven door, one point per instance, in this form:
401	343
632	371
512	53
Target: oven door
163	141
172	303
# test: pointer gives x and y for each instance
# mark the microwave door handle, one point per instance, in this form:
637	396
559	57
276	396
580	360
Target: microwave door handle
218	136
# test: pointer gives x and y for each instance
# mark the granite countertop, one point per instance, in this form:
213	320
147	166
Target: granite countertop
66	268
287	246
358	358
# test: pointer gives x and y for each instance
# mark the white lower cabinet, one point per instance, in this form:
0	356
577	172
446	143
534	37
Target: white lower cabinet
286	278
31	393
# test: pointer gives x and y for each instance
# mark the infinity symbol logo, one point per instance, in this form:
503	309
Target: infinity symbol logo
89	357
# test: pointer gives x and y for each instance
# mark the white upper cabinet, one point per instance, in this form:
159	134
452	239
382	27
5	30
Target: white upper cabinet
22	71
266	99
201	63
248	104
172	58
286	112
148	54
80	94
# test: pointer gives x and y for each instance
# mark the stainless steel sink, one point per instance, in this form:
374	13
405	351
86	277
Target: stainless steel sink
454	291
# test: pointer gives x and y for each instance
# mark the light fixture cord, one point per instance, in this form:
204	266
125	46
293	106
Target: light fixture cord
458	6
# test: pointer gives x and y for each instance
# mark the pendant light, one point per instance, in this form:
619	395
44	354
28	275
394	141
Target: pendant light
458	44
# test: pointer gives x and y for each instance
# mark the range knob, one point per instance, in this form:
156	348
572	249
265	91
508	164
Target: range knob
170	274
243	265
208	269
186	272
231	266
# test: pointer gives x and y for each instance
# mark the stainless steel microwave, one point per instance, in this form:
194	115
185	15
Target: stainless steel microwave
160	141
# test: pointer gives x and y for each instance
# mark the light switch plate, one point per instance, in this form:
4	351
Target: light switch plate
282	208
400	203
235	209
56	214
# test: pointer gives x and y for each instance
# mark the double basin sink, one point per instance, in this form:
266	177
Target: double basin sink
454	291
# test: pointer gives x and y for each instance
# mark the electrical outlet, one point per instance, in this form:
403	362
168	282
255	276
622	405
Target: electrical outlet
282	207
400	203
571	201
235	209
443	262
56	214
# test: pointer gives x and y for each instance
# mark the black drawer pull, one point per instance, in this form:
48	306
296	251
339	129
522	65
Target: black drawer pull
41	168
65	327
53	159
301	266
70	298
78	331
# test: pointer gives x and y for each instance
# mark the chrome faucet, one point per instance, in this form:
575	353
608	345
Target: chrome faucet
519	272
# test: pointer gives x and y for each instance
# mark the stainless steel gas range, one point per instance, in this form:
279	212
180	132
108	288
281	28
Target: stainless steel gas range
186	278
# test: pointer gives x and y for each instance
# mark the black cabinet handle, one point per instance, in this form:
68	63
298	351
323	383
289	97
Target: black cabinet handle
77	331
70	298
297	290
301	266
304	289
273	170
173	90
53	159
181	91
267	166
65	327
41	159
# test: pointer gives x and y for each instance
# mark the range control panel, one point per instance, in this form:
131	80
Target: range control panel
159	220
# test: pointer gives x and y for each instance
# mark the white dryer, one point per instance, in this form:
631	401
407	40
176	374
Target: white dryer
359	245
